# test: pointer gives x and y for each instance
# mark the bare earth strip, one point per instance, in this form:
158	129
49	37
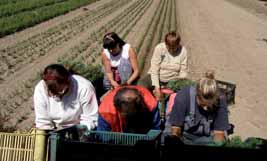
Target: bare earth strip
229	39
138	31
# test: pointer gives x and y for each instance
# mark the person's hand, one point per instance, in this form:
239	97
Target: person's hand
114	84
157	94
173	140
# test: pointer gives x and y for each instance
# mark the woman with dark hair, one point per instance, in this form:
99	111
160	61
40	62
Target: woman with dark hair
119	60
62	100
199	114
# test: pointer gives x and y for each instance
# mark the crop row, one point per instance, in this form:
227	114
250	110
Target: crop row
125	25
21	6
26	19
163	23
13	57
89	49
5	2
27	87
143	47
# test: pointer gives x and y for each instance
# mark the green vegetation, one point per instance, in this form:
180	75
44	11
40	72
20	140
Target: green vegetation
26	19
4	2
90	72
178	84
21	6
249	143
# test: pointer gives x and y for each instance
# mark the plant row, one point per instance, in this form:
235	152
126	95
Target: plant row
30	18
88	70
146	44
21	6
13	57
89	49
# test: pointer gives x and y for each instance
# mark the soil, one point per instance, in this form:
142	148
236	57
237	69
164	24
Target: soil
228	36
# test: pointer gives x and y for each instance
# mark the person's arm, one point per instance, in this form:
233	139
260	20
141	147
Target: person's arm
102	124
156	119
178	112
134	64
176	131
218	136
108	71
89	107
154	71
42	119
184	65
221	121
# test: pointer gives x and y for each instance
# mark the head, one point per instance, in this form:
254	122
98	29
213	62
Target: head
128	101
57	79
130	104
207	91
113	43
172	41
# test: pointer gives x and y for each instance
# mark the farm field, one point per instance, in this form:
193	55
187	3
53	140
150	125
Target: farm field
226	35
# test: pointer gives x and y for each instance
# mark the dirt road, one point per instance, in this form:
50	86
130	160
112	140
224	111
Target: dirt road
230	37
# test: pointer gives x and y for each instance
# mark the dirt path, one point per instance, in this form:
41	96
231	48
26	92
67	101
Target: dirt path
231	40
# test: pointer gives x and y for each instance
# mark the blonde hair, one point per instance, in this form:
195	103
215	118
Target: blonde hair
207	90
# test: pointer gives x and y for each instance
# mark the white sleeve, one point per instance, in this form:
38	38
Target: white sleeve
184	64
89	106
42	119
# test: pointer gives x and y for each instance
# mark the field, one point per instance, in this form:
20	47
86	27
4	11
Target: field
213	41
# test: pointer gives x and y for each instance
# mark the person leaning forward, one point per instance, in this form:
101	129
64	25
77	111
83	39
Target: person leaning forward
62	99
119	61
131	109
169	62
199	114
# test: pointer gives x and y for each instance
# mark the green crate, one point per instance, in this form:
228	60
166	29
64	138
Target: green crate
77	143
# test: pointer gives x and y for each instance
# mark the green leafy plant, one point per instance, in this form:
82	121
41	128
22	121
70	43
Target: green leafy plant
178	84
250	143
89	71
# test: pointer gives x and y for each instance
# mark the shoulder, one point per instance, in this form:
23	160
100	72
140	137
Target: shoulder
183	52
184	92
222	101
126	50
82	82
40	86
106	53
161	46
126	46
40	90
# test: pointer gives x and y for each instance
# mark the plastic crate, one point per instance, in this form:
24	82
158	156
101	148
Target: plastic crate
228	89
76	143
27	146
209	153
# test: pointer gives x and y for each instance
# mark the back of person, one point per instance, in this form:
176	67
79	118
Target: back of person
199	114
130	109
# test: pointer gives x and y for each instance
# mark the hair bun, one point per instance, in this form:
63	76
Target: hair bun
210	74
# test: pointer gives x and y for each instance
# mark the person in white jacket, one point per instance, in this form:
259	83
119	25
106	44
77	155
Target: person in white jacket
62	99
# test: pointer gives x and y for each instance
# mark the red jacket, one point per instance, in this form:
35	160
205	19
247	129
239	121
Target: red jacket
110	115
